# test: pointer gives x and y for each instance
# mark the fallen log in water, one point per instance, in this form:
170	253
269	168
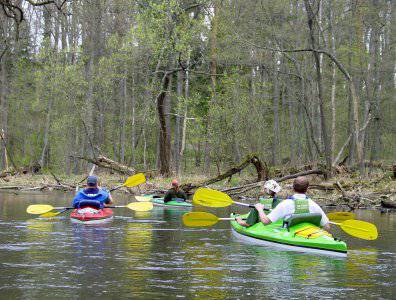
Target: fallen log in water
260	183
262	173
388	204
106	163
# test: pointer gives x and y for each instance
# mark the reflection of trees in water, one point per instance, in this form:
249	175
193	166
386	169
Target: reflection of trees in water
206	266
360	266
291	273
136	254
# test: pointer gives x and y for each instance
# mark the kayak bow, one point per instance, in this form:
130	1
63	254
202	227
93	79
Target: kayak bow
90	215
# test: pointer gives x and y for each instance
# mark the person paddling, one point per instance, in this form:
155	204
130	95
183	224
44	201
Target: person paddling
175	193
267	197
299	203
92	195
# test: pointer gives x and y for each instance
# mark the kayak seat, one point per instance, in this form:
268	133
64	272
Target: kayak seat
91	203
313	218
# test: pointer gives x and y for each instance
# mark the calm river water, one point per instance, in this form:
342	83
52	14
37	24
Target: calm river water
152	255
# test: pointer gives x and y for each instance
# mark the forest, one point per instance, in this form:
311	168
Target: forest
182	87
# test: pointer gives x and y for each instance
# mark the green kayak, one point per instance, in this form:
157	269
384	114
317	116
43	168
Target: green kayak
298	236
159	201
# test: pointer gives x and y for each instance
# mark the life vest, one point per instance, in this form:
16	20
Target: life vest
301	206
269	203
100	196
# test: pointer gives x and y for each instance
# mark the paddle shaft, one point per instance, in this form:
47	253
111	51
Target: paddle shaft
116	206
63	208
116	188
344	225
248	205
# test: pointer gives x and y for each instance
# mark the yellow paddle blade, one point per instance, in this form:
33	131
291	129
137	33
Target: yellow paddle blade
50	214
140	206
197	219
135	180
339	216
38	209
360	229
211	198
143	198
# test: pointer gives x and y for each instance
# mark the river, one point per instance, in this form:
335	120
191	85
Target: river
151	255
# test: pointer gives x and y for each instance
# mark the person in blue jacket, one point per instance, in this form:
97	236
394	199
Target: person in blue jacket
92	195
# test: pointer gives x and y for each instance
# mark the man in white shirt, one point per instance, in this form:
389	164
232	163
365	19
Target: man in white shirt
298	203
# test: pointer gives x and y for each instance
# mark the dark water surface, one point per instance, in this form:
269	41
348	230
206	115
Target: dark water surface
151	255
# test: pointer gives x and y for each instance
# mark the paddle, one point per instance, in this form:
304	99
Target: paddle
356	228
131	181
143	198
360	229
52	214
199	218
340	216
214	198
37	209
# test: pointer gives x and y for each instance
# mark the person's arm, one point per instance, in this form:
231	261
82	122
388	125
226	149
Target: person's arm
326	227
182	195
263	217
324	222
241	222
109	200
75	202
168	196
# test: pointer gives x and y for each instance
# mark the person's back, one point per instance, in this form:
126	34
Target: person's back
175	193
92	194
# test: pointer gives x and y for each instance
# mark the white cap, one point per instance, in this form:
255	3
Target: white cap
272	185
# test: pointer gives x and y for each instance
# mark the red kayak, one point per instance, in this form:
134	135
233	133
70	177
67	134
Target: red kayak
91	215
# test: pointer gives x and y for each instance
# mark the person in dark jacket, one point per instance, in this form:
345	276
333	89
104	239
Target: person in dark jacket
175	193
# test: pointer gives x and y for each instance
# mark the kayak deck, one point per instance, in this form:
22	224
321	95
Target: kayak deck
303	237
90	215
173	203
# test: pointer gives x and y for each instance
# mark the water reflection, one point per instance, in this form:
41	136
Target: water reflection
151	255
360	267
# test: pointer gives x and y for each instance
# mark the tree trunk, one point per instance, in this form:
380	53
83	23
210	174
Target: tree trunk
184	126
133	137
176	147
42	161
276	132
123	117
314	45
333	81
164	141
213	71
4	109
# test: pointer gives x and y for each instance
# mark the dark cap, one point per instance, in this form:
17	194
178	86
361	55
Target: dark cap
92	180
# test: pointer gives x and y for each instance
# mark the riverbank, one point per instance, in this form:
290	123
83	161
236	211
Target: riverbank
349	190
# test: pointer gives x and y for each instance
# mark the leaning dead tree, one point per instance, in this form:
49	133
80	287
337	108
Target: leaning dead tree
250	186
106	163
262	173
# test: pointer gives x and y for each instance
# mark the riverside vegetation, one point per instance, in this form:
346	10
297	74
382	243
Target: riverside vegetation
185	88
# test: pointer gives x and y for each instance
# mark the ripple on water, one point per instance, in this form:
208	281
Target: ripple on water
29	265
19	246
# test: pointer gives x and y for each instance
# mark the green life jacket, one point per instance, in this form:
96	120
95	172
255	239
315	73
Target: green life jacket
269	203
301	206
